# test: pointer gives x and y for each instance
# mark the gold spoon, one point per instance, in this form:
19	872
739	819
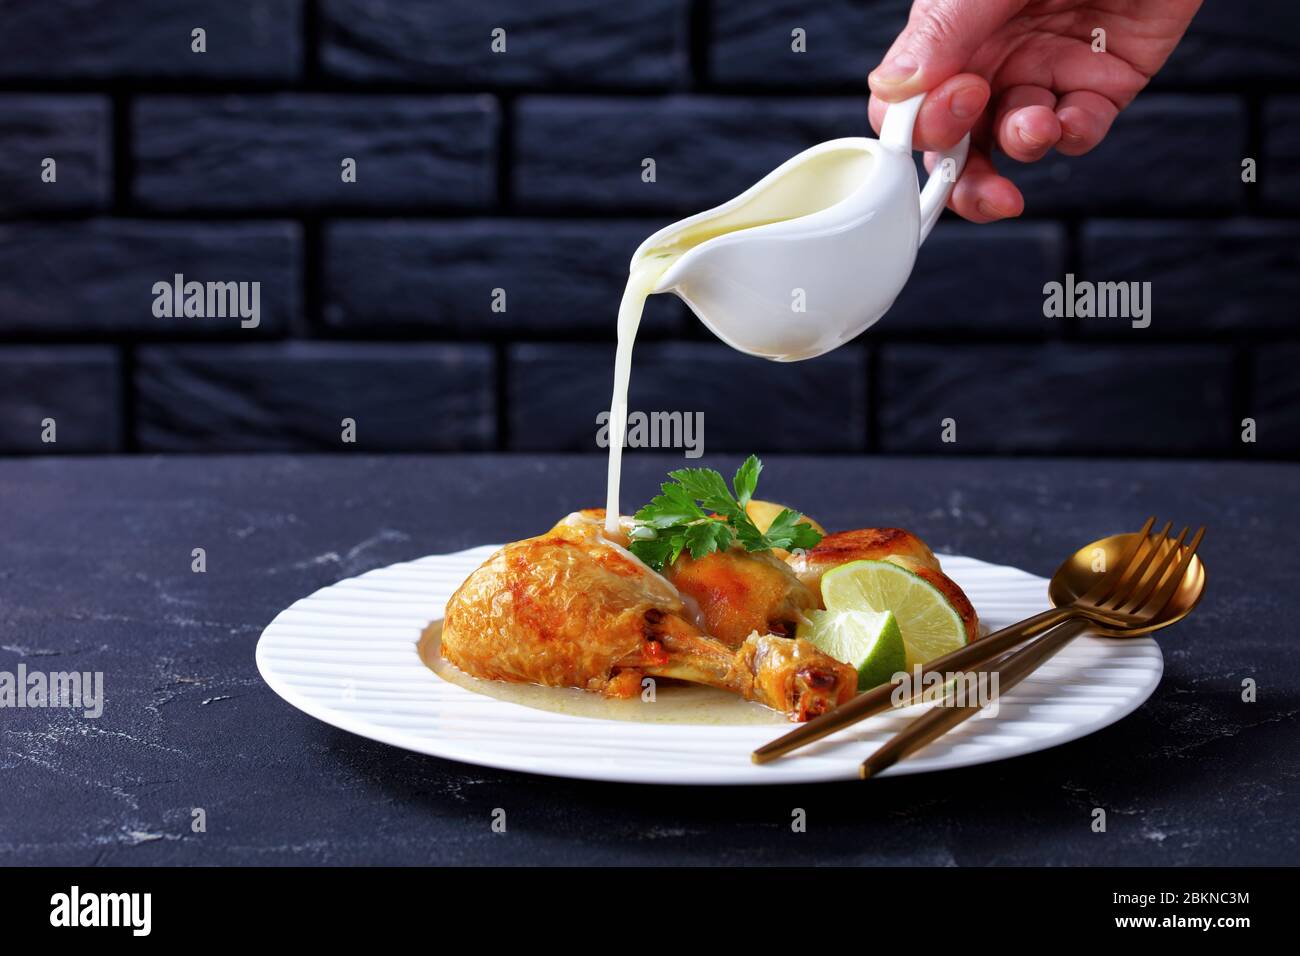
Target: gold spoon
1151	597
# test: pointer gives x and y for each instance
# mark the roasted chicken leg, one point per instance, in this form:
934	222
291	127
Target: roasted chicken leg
741	592
571	609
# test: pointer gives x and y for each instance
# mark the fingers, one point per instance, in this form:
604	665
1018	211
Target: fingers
1028	122
948	113
981	195
1085	119
936	44
1026	125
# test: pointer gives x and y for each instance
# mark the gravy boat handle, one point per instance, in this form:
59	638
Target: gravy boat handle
896	134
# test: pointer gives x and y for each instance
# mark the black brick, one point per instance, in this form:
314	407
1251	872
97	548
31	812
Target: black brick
294	396
559	276
71	130
749	43
1164	153
585	153
284	151
980	280
1275	403
1237	41
1278	171
1228	41
1057	399
77	386
1205	276
749	404
587	43
102	39
97	277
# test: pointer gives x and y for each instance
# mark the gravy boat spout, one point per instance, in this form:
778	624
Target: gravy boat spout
815	252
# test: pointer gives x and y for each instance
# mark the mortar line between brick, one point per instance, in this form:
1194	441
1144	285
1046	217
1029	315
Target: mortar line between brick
311	42
501	395
697	40
126	396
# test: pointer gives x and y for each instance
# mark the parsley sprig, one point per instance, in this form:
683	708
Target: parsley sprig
697	512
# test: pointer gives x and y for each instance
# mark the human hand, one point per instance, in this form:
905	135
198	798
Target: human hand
1022	76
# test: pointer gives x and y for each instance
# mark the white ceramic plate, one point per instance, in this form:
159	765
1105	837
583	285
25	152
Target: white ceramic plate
347	655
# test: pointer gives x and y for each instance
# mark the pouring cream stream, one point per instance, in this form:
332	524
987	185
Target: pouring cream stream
820	183
645	275
844	222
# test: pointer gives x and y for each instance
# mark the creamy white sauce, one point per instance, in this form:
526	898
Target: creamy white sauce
645	275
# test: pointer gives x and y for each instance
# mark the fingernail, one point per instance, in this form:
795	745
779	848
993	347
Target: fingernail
1029	139
985	209
897	69
967	103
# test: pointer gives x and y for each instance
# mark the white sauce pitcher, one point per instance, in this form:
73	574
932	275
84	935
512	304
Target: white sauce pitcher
833	232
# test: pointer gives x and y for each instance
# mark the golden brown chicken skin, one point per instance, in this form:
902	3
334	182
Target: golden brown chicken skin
571	609
873	544
741	592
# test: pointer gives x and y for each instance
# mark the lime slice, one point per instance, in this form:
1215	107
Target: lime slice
929	624
865	640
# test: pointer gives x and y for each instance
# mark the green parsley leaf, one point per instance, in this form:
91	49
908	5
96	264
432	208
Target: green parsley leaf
746	479
652	551
678	540
678	519
704	537
783	525
749	536
709	487
786	532
674	506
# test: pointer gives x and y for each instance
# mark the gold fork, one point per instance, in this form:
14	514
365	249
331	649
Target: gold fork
1091	604
1141	600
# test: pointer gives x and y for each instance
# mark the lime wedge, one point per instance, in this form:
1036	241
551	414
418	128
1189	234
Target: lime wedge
930	626
865	640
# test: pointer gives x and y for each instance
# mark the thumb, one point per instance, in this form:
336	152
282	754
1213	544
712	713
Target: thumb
937	43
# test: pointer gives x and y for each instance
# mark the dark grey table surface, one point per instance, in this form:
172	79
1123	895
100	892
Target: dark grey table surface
96	576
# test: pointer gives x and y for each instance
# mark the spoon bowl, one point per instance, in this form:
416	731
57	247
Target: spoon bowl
1079	573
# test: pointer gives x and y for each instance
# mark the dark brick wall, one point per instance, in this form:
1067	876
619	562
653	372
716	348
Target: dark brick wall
520	171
